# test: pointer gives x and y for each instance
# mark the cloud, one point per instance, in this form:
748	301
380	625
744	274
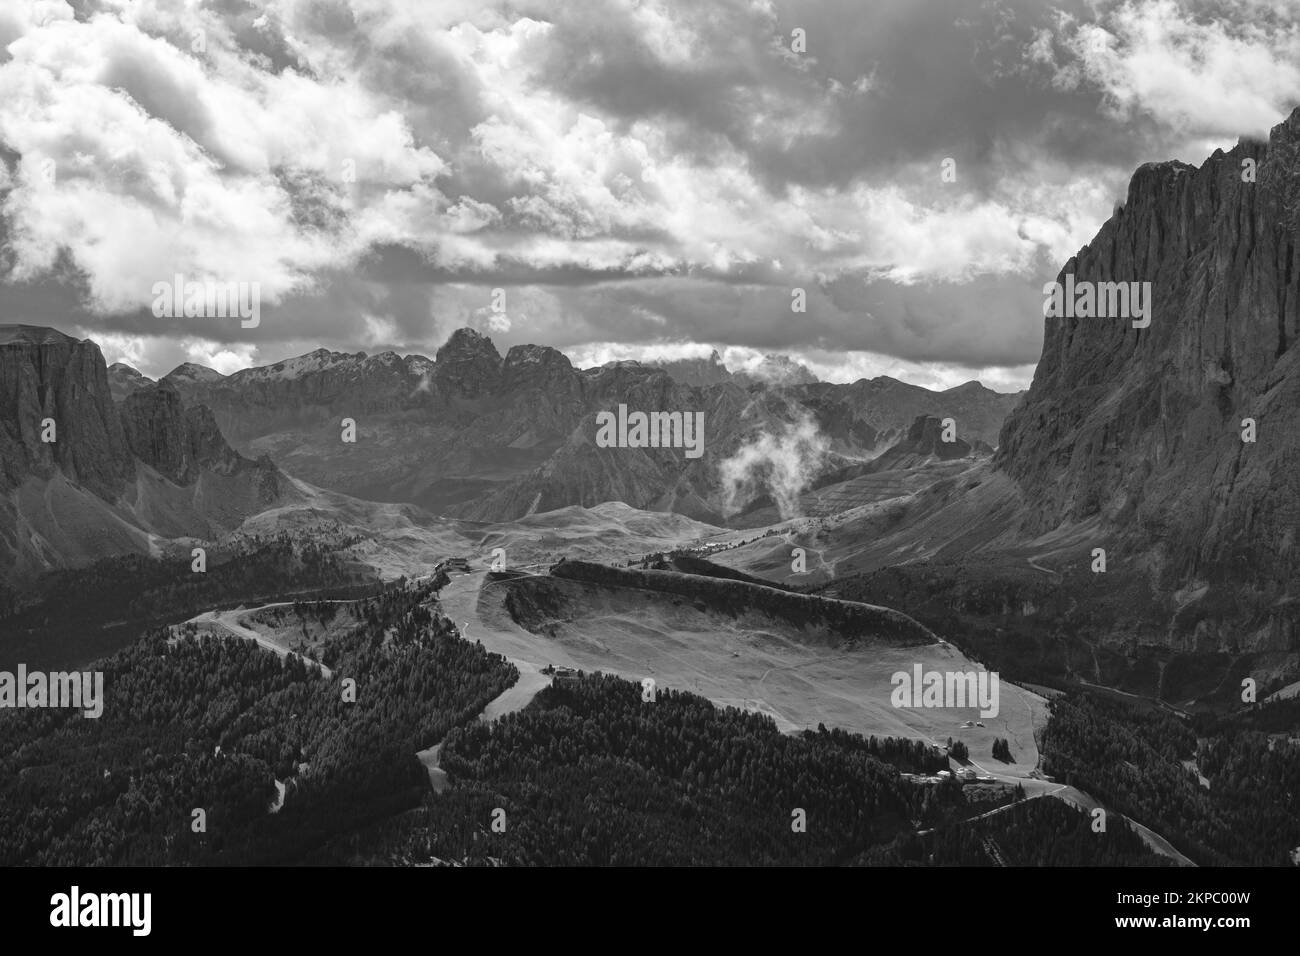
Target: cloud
780	465
1207	71
663	173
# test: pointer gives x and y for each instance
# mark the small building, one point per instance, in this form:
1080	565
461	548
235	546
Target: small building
564	675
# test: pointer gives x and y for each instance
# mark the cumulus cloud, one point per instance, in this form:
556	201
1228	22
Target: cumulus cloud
140	160
1211	71
779	465
665	172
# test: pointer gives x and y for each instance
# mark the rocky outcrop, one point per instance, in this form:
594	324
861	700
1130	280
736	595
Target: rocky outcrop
775	370
698	372
770	370
123	380
302	393
116	477
924	442
468	364
47	378
880	410
178	442
1142	428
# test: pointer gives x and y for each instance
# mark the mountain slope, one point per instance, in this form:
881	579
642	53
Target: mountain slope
116	477
1142	428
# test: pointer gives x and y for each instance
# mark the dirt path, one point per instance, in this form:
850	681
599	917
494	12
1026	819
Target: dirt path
459	600
1033	563
228	622
515	697
1158	844
462	608
1080	801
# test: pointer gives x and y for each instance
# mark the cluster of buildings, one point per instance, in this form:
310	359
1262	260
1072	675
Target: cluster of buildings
963	774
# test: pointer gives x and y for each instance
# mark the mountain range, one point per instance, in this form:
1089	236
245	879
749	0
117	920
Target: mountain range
1171	446
492	438
770	370
470	433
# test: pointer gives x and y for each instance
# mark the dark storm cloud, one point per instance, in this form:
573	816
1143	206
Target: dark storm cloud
936	79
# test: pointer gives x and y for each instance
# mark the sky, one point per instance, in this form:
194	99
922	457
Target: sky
616	178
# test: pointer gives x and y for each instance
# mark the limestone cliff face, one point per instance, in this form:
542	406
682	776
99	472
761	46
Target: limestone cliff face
45	374
176	441
1141	428
87	495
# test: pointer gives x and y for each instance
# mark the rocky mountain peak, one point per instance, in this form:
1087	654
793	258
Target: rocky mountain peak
175	441
1142	428
469	364
925	439
194	372
52	377
123	380
775	370
19	334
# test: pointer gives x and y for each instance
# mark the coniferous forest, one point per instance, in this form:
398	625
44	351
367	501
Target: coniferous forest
209	723
120	597
591	773
214	750
1039	832
1149	765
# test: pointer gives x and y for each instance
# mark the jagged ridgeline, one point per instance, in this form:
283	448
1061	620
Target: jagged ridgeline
489	437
